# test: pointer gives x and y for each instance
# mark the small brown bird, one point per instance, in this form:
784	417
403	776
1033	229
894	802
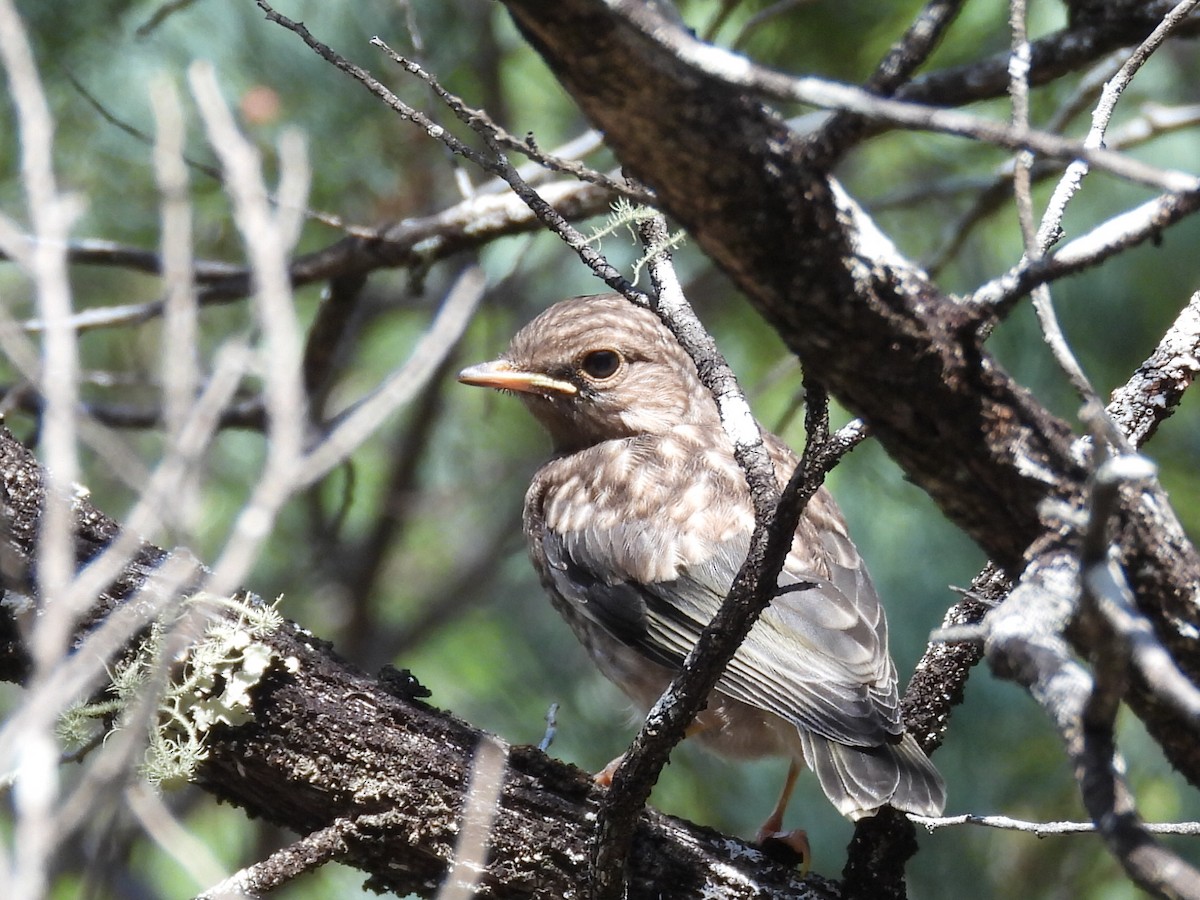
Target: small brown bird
637	526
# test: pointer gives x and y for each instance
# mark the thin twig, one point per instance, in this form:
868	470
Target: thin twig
1110	238
480	121
1035	248
184	847
1066	50
1155	120
412	243
668	719
310	852
32	758
493	161
905	57
348	432
179	365
1042	829
997	291
269	236
1051	225
1070	183
1153	393
213	172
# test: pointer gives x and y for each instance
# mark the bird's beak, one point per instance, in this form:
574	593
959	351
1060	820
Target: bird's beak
502	375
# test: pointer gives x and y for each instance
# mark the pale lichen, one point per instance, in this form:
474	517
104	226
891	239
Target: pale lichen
630	215
208	682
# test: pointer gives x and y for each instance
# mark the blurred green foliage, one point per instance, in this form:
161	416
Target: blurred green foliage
495	653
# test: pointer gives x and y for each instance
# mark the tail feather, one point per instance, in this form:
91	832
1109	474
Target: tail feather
860	780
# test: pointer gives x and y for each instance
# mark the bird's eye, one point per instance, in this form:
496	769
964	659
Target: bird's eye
601	364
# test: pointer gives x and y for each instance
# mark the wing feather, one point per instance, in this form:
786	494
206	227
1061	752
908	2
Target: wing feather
815	656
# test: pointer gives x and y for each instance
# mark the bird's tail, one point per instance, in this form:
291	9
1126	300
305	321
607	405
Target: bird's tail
860	780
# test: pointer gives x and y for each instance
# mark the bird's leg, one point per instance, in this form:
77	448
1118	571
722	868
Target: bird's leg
796	840
774	822
605	776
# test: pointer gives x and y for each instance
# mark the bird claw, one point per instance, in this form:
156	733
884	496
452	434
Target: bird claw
788	847
605	776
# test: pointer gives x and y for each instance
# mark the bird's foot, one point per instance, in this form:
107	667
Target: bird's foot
788	847
605	776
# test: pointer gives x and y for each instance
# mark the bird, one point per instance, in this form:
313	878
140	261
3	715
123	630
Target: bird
637	525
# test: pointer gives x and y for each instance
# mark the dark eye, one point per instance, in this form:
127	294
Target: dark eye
601	364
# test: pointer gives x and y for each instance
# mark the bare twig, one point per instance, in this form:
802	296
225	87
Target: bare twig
475	118
1043	829
667	721
360	421
310	852
179	366
776	515
213	172
1113	89
493	162
1155	120
1035	246
187	850
1050	228
412	243
33	756
481	122
1067	50
96	252
1142	223
269	236
1051	225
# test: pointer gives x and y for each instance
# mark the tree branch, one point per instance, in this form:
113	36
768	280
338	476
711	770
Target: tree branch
1023	644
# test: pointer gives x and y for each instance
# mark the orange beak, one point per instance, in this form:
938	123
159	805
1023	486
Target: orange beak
503	376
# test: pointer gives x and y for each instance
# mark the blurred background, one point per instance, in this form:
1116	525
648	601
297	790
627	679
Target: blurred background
413	555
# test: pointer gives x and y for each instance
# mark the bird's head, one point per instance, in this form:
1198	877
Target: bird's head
598	368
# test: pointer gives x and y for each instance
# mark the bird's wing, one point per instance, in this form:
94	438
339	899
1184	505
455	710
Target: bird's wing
816	657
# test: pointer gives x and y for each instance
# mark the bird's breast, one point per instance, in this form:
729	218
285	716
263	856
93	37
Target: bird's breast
646	508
